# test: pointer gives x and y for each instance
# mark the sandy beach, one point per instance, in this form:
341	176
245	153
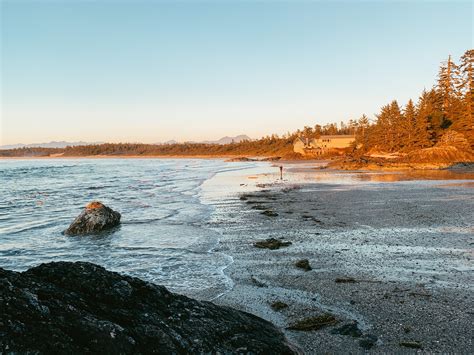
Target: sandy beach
390	255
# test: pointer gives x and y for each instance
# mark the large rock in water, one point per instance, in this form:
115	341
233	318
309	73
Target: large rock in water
80	307
95	218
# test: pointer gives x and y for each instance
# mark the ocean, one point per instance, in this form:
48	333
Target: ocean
163	237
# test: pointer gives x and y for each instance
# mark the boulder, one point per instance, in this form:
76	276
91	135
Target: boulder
303	264
95	218
69	308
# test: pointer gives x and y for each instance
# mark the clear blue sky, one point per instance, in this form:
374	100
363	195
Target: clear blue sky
156	70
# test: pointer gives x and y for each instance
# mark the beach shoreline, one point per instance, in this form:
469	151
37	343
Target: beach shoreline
392	280
121	157
334	163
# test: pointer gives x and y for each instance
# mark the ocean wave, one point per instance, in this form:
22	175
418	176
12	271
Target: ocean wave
163	237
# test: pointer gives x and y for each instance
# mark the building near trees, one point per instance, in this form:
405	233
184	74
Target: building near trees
323	144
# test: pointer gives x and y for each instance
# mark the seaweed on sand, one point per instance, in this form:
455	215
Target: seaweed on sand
271	243
411	344
303	264
269	213
345	280
278	305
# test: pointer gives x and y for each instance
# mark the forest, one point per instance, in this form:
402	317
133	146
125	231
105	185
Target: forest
446	107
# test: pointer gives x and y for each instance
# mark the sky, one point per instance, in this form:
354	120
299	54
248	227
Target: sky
151	71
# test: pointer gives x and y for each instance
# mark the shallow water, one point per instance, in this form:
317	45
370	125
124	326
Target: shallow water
162	238
165	235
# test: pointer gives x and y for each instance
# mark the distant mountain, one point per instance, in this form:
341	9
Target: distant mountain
172	141
223	140
64	144
53	144
227	140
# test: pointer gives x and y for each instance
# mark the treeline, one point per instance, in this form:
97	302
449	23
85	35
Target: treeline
448	106
30	152
349	128
272	145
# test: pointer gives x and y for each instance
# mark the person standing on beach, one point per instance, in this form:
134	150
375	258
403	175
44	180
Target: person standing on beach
281	172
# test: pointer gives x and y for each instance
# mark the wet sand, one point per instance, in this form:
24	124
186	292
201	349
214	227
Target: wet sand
391	255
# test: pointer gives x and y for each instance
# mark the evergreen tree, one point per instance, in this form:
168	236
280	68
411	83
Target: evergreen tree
465	123
363	125
382	135
409	124
423	134
446	87
318	130
396	126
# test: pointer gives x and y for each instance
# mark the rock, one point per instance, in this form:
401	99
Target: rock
303	264
314	323
278	305
368	341
351	329
82	308
238	159
343	280
269	213
270	159
95	218
468	166
411	344
259	207
271	243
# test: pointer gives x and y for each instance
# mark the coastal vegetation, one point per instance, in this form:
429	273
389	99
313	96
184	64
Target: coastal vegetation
447	107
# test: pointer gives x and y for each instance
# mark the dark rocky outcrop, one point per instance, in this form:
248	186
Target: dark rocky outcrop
80	307
278	305
95	218
345	280
351	329
314	323
303	264
269	213
271	243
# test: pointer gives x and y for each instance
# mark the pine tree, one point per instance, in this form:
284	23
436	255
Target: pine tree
465	123
446	87
362	132
382	133
423	134
409	125
389	127
317	131
308	132
396	126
